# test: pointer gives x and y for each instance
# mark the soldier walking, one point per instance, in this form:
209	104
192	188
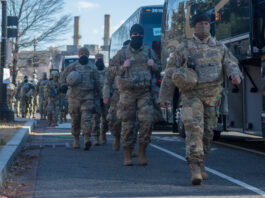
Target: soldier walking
40	90
84	88
196	68
52	91
99	120
111	97
134	82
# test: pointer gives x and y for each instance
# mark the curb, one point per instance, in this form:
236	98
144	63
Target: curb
13	148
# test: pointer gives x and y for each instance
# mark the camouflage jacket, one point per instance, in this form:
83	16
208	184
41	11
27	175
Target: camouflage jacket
90	85
41	87
138	75
52	90
212	59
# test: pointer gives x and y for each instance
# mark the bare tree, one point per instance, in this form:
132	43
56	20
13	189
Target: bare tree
37	19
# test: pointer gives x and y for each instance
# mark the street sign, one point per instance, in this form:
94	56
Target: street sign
6	77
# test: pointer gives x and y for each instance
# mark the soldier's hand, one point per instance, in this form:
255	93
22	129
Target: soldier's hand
150	62
106	101
235	79
164	105
127	63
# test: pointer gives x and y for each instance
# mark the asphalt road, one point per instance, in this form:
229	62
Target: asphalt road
66	172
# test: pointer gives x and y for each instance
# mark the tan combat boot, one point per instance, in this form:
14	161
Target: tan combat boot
103	138
76	142
203	171
134	154
87	142
116	143
96	140
127	156
196	177
142	154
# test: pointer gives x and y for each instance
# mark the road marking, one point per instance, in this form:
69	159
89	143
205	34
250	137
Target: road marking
226	177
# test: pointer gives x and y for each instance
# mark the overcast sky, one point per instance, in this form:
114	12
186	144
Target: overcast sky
92	13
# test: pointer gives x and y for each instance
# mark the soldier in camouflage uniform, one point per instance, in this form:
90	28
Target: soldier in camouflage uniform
100	117
206	60
34	99
111	97
11	100
134	80
25	94
63	107
17	98
84	88
40	90
52	91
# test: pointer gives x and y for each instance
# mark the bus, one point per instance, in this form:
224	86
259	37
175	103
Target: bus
150	18
240	25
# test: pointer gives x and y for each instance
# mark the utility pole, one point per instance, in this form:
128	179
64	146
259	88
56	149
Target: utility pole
5	113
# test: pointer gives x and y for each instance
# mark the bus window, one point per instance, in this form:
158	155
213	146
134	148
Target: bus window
233	18
259	26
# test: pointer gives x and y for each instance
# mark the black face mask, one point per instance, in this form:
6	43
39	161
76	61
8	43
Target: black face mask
100	64
83	60
136	42
26	81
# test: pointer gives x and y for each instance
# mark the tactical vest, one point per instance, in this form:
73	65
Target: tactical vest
86	72
101	77
208	60
138	75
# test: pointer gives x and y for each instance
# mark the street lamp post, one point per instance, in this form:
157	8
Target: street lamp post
5	113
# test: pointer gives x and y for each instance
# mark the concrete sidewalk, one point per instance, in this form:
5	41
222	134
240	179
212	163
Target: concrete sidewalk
13	147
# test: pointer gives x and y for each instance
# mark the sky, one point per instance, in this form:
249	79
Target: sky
92	13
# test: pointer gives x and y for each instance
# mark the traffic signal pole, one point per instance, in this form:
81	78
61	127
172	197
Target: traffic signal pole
5	113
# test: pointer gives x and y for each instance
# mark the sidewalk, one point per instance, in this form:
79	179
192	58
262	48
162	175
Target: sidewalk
13	147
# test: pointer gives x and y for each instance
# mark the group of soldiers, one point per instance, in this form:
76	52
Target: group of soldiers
30	97
120	98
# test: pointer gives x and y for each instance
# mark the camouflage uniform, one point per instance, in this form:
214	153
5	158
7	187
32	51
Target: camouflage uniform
63	107
135	95
42	99
25	95
100	117
81	98
34	99
52	91
198	111
11	91
110	91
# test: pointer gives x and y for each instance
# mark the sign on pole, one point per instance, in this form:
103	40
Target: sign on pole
6	77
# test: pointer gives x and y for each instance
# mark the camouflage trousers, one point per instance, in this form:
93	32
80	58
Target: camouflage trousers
113	122
99	124
81	115
199	116
63	108
135	107
24	106
52	111
33	107
42	107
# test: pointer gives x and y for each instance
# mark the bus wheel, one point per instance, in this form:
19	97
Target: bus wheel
216	135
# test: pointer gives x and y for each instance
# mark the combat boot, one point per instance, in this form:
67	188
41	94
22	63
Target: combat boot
87	142
196	177
203	171
76	142
127	156
142	154
103	138
116	143
134	154
96	140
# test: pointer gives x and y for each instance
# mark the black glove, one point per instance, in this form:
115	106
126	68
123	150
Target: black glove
64	89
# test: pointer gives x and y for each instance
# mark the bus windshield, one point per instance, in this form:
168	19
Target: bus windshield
151	19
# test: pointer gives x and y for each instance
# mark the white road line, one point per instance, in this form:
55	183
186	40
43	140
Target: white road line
235	181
